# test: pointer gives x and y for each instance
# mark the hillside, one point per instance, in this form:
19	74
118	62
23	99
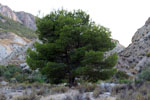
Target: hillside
21	17
15	34
10	25
137	55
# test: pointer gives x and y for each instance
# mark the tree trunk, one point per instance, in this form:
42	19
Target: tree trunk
72	81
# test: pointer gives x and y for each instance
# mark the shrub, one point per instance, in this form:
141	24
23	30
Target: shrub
2	97
86	87
121	75
132	91
28	97
13	72
16	27
144	75
2	70
36	77
77	96
117	89
148	54
96	92
59	89
43	91
125	81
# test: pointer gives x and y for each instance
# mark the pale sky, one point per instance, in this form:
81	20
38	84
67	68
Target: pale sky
122	17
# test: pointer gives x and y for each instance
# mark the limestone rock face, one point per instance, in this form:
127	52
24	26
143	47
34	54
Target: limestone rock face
6	11
117	49
10	42
27	19
22	17
136	56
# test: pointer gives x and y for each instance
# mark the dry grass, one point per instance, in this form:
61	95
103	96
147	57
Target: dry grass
28	97
96	92
77	96
2	97
133	92
59	89
86	87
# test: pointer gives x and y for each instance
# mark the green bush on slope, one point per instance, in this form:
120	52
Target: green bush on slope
144	75
12	72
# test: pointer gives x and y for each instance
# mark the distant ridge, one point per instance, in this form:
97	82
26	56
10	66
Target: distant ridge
22	17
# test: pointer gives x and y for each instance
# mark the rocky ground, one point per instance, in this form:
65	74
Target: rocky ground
9	42
49	92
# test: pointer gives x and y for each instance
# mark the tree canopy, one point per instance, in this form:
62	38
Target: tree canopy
72	47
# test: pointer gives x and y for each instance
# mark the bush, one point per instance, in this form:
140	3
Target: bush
144	75
86	87
148	54
36	77
28	97
16	27
16	73
2	70
132	92
96	92
2	97
125	81
121	75
59	89
77	96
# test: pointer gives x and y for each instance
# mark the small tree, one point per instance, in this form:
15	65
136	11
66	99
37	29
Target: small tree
144	75
72	46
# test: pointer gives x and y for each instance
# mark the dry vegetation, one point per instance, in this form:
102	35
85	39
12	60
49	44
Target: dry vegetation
134	91
37	91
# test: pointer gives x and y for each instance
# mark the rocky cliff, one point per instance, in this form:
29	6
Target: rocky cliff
22	17
117	49
137	55
9	42
15	37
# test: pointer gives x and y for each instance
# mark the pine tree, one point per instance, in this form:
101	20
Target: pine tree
72	47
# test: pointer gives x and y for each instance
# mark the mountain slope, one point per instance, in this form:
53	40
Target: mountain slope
10	25
137	55
26	19
15	34
14	37
21	17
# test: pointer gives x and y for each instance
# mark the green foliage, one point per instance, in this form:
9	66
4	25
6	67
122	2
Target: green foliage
73	46
148	54
144	75
121	75
125	81
9	25
12	72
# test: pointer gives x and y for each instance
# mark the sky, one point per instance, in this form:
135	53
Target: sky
122	17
